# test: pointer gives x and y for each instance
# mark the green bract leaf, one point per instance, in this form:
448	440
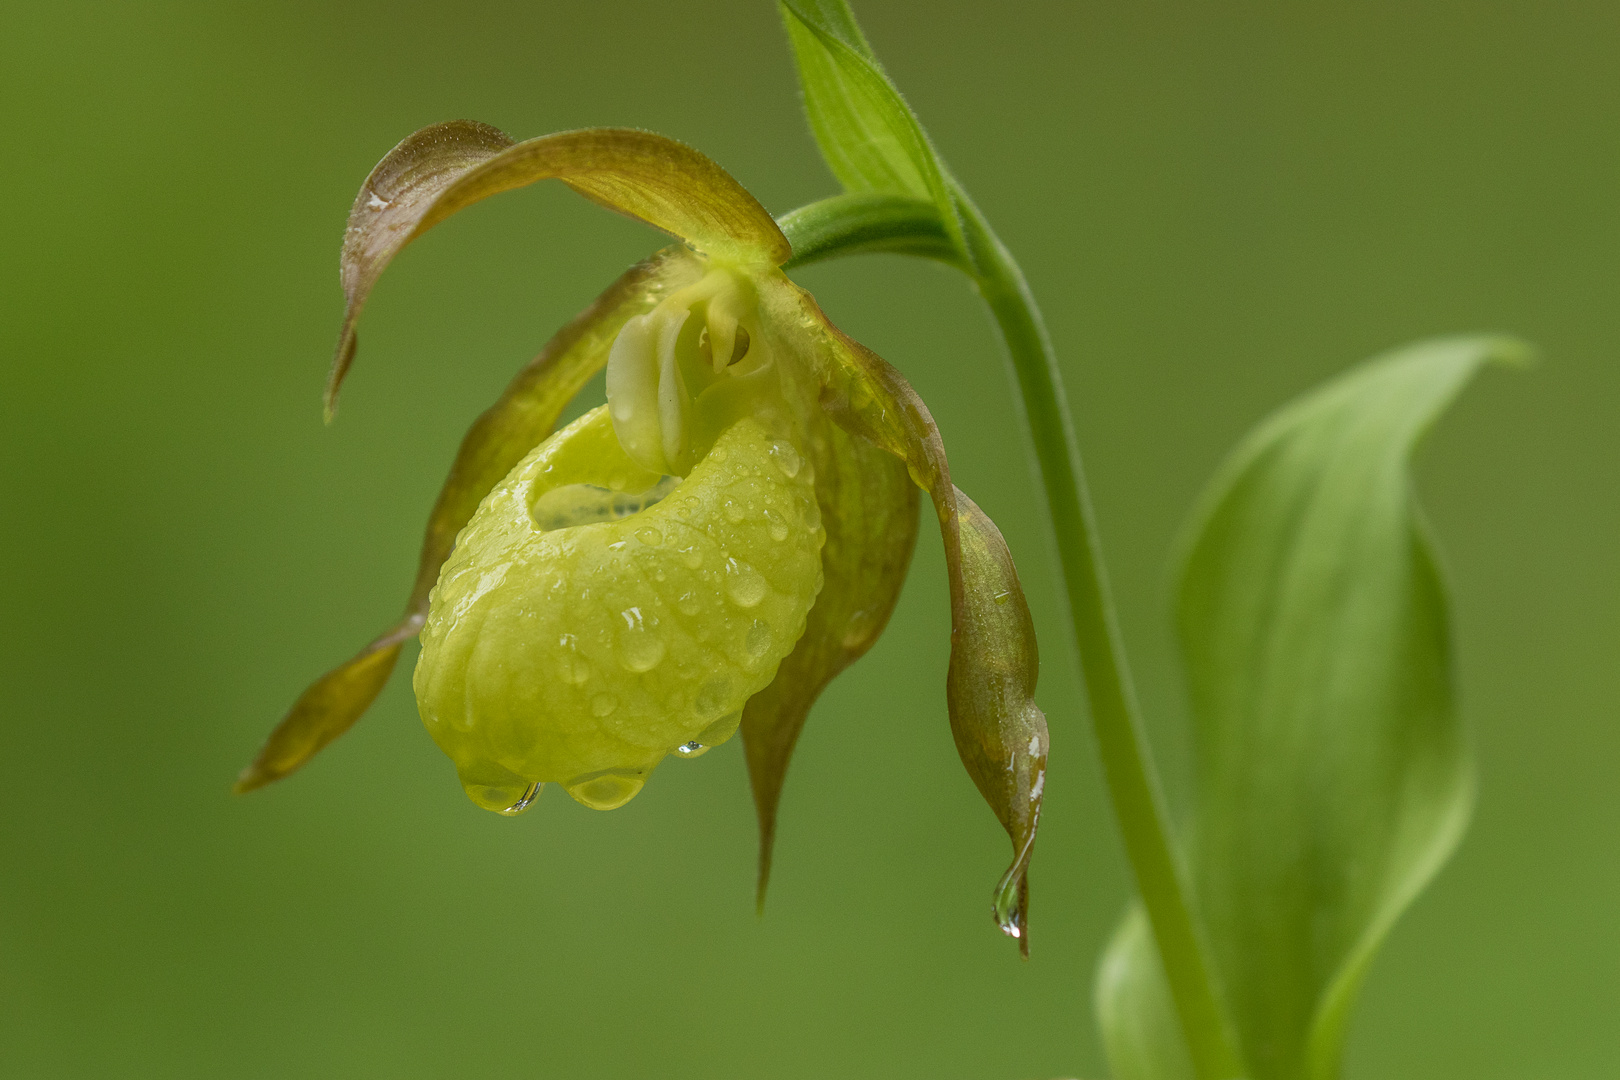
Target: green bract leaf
1000	733
869	508
1333	774
867	133
500	438
448	167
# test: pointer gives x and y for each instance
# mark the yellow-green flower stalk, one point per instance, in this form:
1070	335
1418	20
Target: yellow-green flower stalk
701	555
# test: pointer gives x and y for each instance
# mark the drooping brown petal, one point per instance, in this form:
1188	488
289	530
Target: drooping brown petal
448	167
1000	733
994	664
522	417
869	509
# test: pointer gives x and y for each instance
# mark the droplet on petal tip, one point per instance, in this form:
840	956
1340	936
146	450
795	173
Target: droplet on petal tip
1007	911
1009	905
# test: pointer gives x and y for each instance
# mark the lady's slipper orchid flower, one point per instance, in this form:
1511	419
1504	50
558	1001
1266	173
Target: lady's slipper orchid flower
699	556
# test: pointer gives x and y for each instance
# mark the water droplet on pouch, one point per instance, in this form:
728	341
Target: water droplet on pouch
721	730
733	511
688	604
744	584
638	651
650	536
787	459
691	750
603	704
713	698
495	787
577	670
758	641
777	525
691	557
528	797
719	454
606	790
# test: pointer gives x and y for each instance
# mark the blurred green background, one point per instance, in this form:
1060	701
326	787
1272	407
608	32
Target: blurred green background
1218	206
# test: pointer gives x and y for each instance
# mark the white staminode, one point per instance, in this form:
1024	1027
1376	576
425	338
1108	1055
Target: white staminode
663	364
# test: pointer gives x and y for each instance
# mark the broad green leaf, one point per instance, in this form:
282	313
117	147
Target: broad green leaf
867	133
1333	774
448	167
869	509
1135	1011
1000	733
498	440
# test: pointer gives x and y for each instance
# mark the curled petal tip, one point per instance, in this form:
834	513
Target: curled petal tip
767	831
1009	905
326	709
250	779
348	344
257	774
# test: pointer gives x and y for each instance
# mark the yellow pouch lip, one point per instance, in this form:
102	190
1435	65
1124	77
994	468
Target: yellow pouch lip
530	658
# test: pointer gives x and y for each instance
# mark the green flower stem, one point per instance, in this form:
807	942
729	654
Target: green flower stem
865	224
879	224
1133	781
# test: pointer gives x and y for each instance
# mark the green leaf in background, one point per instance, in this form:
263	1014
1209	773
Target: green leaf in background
1135	1011
1333	775
868	135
